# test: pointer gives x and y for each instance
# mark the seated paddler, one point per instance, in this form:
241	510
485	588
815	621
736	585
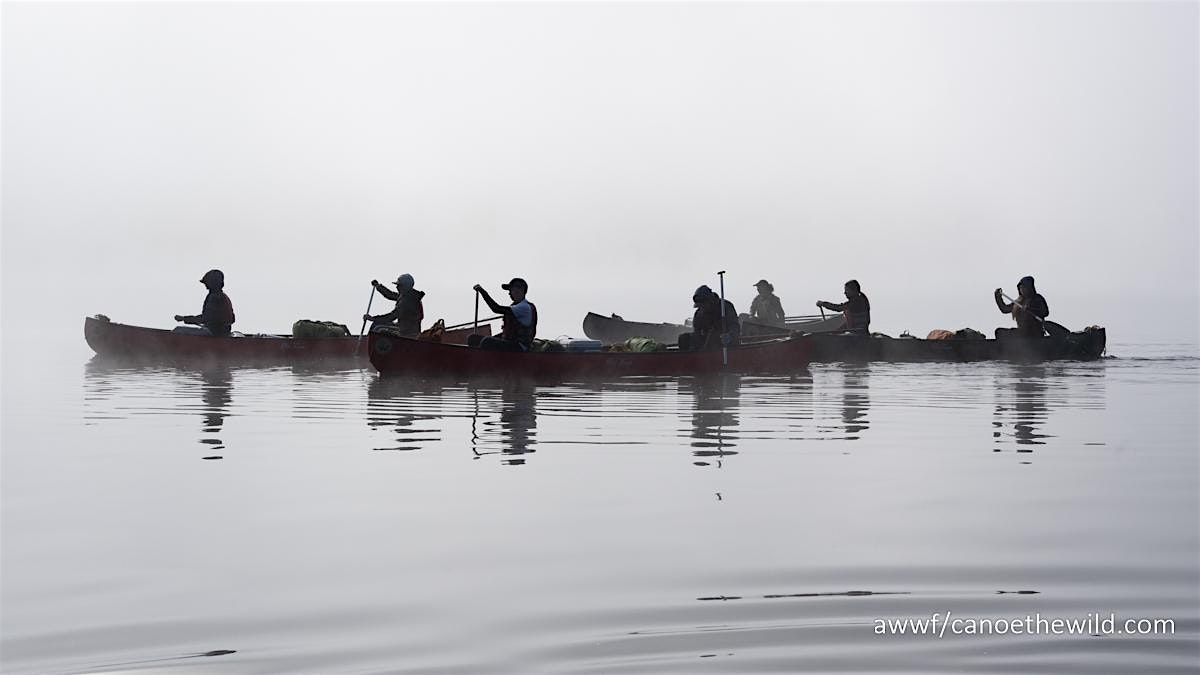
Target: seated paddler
711	329
856	309
216	316
766	307
519	320
409	311
1028	310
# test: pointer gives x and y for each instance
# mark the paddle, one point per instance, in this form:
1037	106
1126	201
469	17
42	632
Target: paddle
724	346
1053	329
477	321
475	330
364	325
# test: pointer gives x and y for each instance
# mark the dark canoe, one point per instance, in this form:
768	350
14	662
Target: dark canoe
109	339
1084	345
392	354
612	330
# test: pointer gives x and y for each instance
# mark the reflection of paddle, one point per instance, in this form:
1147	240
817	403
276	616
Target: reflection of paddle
1053	329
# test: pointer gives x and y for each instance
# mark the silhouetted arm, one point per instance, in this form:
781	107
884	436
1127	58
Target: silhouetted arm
498	309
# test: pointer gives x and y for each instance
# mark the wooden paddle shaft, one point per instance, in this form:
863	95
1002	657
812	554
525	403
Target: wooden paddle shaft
724	347
364	324
1040	319
476	322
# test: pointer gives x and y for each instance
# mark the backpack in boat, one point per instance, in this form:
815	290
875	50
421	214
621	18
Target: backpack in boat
434	333
307	328
969	334
540	345
642	344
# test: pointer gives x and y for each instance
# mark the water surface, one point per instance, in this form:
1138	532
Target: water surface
308	520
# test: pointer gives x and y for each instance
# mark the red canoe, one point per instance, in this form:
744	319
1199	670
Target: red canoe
392	354
107	338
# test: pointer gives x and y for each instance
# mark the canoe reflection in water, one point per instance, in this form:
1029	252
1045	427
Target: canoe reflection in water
399	405
1021	402
714	417
117	388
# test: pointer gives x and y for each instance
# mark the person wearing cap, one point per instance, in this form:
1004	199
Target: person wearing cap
1028	308
856	309
409	311
766	307
709	329
217	314
519	319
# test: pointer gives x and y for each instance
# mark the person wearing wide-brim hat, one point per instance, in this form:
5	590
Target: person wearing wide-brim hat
217	314
409	311
519	320
766	307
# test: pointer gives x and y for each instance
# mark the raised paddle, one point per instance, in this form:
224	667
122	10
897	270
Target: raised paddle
1053	329
475	330
724	335
364	326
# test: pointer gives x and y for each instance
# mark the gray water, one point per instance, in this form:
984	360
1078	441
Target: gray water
301	520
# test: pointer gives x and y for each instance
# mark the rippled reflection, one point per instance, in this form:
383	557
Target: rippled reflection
216	393
856	400
141	389
358	511
410	410
517	420
1027	394
714	417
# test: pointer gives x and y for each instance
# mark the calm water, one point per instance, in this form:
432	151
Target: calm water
292	520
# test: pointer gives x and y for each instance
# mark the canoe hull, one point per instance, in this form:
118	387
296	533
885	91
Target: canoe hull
395	355
611	330
1081	346
109	339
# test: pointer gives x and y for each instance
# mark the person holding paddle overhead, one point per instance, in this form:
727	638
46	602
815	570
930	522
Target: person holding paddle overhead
856	308
409	311
519	320
216	318
1029	310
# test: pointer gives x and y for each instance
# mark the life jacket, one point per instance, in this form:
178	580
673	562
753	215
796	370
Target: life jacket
515	331
219	314
768	309
410	311
858	318
1027	320
227	308
707	324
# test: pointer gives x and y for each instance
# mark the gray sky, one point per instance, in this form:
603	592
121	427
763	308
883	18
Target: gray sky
614	154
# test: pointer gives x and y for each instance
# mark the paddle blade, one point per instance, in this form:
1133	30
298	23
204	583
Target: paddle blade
1056	330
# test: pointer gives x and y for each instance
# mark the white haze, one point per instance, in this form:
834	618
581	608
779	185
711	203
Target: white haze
616	155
